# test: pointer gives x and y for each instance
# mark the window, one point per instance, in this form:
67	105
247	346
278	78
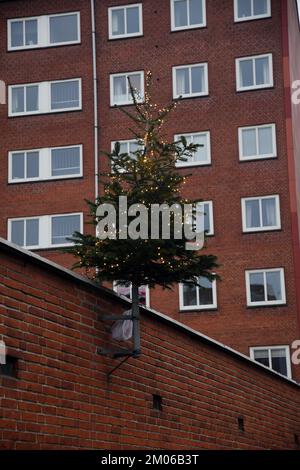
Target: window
202	297
254	72
62	227
25	232
44	31
257	142
274	357
45	231
128	146
120	89
265	287
125	21
245	10
64	28
186	14
261	213
23	33
45	164
202	156
190	81
44	97
207	210
10	368
144	293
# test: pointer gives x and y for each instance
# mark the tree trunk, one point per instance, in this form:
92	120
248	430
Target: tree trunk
136	321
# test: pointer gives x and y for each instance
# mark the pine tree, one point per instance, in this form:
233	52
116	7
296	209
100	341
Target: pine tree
148	176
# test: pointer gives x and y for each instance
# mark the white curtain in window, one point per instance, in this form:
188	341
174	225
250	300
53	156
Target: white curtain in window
118	22
262	70
180	13
269	212
18	95
182	81
201	154
252	214
135	80
120	89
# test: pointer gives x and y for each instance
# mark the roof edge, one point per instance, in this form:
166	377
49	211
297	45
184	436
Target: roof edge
29	256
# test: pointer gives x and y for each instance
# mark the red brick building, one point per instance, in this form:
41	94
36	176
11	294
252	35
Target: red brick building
186	391
234	63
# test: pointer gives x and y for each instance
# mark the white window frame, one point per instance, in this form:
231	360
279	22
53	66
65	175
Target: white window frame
211	232
126	75
190	66
253	349
124	141
262	228
23	219
189	26
254	87
45	230
147	300
183	164
198	307
43	30
44	98
45	167
257	156
265	303
125	35
237	19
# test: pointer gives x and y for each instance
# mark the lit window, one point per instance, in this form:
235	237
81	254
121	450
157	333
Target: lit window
257	142
45	231
245	10
190	81
45	97
120	89
265	287
254	72
186	14
126	290
261	213
125	21
200	297
44	31
202	156
274	357
45	164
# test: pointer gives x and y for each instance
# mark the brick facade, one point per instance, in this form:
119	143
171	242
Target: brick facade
224	182
51	320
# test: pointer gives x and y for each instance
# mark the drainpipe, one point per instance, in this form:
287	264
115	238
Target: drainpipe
96	130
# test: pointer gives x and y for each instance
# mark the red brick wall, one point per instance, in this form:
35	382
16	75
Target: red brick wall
62	398
225	181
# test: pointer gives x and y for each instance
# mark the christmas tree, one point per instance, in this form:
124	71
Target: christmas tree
147	177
